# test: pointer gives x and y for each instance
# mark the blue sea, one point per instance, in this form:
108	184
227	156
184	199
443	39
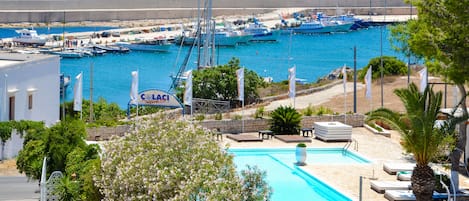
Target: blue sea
313	55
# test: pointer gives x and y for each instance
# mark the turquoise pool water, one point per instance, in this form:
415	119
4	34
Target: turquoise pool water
290	182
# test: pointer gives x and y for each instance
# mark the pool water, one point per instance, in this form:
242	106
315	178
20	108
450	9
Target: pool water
290	182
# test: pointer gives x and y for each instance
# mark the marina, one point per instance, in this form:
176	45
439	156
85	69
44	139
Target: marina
314	56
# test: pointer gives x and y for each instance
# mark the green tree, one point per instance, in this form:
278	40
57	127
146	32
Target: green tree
285	120
419	134
440	35
391	66
169	160
104	113
54	143
220	83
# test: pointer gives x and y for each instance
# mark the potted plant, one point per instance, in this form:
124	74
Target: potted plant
300	154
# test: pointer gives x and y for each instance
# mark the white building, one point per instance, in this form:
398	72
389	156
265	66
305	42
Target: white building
29	90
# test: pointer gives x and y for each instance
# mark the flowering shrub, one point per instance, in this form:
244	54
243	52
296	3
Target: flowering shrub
169	160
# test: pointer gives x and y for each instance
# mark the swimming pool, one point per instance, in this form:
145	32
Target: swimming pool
290	182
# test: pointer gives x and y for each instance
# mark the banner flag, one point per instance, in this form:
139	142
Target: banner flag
423	79
188	89
368	83
240	76
78	93
134	88
292	82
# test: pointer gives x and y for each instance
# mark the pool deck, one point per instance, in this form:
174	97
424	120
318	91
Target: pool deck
345	178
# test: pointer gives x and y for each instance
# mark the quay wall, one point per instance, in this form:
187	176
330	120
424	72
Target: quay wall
139	4
45	11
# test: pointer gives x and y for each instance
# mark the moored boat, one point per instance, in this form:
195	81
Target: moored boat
29	37
260	32
316	26
112	48
150	45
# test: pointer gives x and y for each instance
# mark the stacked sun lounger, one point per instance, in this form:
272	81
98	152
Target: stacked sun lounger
333	131
384	186
393	168
404	175
401	195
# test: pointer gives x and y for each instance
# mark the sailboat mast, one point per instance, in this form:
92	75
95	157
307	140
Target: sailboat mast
208	34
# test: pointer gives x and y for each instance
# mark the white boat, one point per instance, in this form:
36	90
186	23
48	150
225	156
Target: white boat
150	45
316	26
69	53
29	37
222	38
260	32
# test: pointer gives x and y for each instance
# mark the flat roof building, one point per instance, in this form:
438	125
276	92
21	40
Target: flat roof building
29	90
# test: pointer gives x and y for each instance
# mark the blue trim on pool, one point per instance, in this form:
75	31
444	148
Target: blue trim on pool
307	177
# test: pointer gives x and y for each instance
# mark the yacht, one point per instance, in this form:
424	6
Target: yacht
29	37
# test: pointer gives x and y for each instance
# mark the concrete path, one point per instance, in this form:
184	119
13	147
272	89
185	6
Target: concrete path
17	188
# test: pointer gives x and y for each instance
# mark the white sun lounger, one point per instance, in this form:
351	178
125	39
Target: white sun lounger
383	186
403	195
393	168
404	175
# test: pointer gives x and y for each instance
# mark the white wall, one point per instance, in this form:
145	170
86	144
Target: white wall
39	77
32	74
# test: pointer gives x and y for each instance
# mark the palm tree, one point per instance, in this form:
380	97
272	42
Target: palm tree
419	135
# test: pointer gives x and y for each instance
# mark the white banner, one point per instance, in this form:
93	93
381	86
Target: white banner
292	82
78	93
240	76
423	79
188	89
134	88
368	81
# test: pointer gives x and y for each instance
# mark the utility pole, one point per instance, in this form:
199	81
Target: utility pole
354	79
91	92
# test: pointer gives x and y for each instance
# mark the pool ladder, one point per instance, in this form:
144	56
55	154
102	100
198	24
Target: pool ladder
348	144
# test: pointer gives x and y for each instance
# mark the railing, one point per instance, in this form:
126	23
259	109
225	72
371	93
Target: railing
207	106
348	144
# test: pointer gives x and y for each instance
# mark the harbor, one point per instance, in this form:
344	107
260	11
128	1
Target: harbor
314	55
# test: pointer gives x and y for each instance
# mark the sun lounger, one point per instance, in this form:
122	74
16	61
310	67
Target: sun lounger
401	195
382	186
393	168
404	175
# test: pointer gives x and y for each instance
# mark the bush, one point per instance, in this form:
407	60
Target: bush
301	145
218	116
200	117
285	120
259	114
391	66
308	111
171	160
237	117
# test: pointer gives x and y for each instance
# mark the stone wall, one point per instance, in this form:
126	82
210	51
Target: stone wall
254	125
231	126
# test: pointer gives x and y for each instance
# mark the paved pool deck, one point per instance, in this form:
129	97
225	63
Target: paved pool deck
345	178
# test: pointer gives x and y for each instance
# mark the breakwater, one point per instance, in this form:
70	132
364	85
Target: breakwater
87	10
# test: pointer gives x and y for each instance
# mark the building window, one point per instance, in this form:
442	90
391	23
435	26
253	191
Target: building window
12	108
30	101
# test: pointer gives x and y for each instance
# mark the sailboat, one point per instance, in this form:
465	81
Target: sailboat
204	43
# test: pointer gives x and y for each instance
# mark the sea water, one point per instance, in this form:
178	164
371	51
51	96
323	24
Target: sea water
313	55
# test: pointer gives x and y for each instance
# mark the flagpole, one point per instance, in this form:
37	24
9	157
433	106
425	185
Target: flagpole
136	119
81	110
